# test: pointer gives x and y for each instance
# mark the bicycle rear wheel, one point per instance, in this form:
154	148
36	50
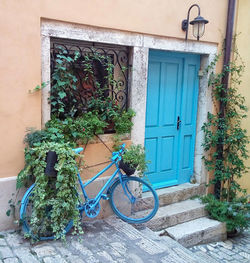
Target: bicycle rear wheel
43	230
133	200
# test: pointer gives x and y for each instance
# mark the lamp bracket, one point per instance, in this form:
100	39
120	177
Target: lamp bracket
184	25
185	22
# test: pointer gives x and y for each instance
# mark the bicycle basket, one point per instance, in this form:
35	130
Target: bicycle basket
127	169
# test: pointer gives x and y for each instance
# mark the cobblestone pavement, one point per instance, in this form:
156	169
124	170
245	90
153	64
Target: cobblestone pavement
109	240
235	249
113	240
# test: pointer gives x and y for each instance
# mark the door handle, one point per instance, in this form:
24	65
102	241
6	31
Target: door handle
178	122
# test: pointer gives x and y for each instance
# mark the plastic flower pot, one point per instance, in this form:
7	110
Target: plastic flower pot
51	160
127	168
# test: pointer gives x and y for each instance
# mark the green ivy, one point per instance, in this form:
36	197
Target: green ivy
59	194
78	130
226	130
123	123
225	144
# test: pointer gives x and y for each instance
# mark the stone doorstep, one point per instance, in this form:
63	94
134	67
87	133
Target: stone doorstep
174	247
172	195
176	213
199	231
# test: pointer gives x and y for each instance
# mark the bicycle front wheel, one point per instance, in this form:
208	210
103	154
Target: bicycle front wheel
43	230
133	200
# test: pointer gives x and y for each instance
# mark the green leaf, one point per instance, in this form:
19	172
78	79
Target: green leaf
62	94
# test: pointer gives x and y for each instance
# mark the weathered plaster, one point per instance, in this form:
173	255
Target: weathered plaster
140	47
45	78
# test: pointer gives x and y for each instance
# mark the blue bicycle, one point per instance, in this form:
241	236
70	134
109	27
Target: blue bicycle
131	198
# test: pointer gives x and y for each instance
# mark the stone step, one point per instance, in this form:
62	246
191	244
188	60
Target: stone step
199	231
176	213
173	247
173	194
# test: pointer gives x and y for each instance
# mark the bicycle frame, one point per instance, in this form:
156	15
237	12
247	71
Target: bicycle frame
101	194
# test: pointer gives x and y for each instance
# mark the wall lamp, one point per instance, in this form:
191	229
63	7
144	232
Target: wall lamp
198	24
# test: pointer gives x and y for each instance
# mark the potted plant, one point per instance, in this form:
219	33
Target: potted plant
134	159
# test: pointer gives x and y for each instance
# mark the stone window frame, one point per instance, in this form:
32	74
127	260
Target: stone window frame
140	45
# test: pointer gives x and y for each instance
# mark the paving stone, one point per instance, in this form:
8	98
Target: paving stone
25	255
81	248
134	258
44	250
15	240
206	257
227	251
237	256
75	259
64	249
55	259
203	249
92	259
10	260
119	247
245	255
228	244
5	252
3	242
224	255
210	248
106	256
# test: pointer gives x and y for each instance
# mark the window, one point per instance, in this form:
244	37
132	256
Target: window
98	71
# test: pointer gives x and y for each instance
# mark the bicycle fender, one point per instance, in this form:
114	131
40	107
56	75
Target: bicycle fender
27	192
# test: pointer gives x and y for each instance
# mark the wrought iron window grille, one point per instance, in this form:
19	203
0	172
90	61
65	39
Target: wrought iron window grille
117	90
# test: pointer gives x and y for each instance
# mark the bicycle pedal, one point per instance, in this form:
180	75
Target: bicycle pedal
105	197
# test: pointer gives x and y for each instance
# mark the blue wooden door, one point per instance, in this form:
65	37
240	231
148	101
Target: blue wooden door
172	96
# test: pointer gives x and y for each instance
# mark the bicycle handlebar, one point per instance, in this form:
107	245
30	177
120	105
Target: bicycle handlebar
119	153
115	155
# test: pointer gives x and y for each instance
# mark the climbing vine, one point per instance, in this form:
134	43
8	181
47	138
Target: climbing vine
227	130
223	130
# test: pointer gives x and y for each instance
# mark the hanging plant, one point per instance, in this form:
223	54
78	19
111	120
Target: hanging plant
134	156
58	193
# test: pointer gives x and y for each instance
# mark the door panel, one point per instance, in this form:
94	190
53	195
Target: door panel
172	91
164	101
152	116
188	115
